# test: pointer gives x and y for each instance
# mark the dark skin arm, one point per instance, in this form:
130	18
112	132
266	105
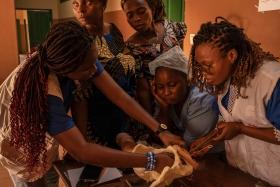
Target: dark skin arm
119	97
80	115
94	154
229	130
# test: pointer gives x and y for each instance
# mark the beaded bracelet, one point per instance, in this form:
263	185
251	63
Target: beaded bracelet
151	161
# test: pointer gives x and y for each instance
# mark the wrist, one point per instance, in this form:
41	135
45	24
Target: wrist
161	128
151	161
240	127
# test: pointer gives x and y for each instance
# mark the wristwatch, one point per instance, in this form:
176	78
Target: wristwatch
162	127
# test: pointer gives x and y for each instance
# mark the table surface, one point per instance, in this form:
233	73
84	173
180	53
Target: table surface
214	173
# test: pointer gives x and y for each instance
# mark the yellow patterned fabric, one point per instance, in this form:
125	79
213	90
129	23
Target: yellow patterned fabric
168	174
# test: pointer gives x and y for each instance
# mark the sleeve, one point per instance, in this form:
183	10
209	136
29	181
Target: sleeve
273	107
99	67
180	30
58	120
202	116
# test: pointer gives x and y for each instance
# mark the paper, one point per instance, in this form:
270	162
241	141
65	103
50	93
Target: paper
74	175
109	174
266	5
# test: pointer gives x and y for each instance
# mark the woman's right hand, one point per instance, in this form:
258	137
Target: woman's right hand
163	160
163	105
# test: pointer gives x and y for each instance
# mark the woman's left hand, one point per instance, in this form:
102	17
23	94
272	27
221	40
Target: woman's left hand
170	139
228	130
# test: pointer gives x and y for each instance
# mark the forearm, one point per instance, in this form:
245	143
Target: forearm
95	154
265	134
80	115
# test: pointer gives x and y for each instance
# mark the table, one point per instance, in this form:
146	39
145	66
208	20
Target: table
214	173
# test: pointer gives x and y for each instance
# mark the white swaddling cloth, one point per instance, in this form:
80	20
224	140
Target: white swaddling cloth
168	174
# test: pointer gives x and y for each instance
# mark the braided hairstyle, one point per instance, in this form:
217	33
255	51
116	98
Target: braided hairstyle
157	7
63	51
226	36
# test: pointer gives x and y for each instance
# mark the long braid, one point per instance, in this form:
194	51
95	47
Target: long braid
226	36
62	52
157	7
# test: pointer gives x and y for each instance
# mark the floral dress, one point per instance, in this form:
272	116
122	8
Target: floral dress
174	34
105	119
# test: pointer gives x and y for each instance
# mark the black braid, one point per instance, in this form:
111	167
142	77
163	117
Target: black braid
63	51
226	36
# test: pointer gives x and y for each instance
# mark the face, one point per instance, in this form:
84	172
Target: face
215	68
87	69
88	12
139	15
171	85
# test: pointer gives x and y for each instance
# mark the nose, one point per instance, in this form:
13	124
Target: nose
81	8
166	92
136	18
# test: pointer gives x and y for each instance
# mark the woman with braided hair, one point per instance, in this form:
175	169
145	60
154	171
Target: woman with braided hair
35	99
245	79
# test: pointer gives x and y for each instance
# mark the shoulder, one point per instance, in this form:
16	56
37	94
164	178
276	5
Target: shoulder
54	86
177	27
202	99
270	69
265	80
115	30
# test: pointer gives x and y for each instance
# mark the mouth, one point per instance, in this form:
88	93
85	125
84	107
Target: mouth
83	19
139	26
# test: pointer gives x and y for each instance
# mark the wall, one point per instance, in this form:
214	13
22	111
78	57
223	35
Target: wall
65	10
8	39
24	44
39	4
261	27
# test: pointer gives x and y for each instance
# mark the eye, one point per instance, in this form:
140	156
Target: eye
129	15
141	11
159	87
90	2
75	4
172	85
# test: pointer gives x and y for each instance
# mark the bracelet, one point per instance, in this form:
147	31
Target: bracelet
151	161
277	134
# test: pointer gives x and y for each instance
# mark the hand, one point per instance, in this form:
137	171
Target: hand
201	152
201	146
163	105
125	141
170	139
185	155
228	130
163	160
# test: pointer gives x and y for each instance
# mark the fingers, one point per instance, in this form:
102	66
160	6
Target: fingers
202	151
220	136
186	156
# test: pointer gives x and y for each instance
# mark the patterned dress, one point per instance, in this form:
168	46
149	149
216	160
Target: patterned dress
105	119
174	34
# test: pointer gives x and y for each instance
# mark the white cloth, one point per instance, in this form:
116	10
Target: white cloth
13	159
174	58
168	174
259	158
